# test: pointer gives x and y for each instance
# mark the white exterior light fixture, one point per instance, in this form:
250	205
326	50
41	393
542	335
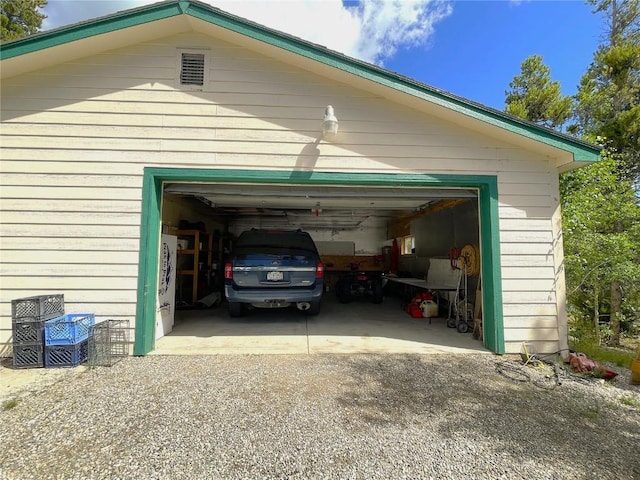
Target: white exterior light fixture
330	123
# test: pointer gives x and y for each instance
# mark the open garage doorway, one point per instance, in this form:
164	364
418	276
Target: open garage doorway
356	214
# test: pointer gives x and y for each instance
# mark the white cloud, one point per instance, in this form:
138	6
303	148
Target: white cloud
371	30
387	25
324	22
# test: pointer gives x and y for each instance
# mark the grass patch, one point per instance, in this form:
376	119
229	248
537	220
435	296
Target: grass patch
593	412
630	401
618	356
9	404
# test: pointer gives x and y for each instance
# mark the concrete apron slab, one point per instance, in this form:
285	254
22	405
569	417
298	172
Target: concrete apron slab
357	327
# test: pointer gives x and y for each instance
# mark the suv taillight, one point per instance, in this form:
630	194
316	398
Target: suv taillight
228	271
319	270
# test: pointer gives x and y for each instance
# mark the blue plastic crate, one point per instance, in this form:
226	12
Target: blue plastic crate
66	355
28	356
37	308
68	329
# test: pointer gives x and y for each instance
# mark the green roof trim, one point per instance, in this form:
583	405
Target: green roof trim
581	151
90	28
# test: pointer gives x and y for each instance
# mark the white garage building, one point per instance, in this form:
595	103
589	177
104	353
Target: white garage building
122	128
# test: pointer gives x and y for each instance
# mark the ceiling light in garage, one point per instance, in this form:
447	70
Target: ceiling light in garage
330	123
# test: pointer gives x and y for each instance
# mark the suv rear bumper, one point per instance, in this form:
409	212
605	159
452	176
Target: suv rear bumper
250	295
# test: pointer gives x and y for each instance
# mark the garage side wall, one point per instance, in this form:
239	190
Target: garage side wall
76	138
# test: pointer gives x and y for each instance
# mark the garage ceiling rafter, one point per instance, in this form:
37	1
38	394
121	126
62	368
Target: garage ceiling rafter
312	206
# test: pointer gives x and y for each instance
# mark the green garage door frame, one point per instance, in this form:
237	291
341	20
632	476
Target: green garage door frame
150	229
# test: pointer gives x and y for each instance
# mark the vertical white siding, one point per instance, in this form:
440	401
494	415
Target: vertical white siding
75	140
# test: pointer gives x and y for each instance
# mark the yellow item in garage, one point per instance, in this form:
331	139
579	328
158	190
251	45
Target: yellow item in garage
469	261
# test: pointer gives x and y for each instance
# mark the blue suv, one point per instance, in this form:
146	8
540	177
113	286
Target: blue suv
274	269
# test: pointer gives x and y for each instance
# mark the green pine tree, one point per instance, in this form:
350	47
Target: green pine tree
535	97
19	18
601	212
608	99
608	109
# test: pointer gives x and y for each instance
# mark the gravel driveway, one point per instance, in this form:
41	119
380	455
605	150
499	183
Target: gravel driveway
320	417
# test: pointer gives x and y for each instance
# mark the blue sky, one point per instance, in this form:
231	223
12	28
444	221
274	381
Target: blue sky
471	48
478	49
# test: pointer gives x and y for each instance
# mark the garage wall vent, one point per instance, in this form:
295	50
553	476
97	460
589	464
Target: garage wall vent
192	69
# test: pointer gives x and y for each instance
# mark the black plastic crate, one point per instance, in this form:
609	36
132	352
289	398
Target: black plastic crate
108	342
65	355
41	307
27	331
28	356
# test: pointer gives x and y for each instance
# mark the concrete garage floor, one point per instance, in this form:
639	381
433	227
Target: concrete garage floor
357	327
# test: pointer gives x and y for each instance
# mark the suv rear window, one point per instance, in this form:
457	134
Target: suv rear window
275	242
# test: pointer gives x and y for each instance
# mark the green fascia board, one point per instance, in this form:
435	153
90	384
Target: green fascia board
581	151
150	231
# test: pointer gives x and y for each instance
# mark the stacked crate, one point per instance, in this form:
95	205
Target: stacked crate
28	317
66	339
108	342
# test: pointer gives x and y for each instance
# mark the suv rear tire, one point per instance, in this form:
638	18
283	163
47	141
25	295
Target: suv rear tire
236	309
313	310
